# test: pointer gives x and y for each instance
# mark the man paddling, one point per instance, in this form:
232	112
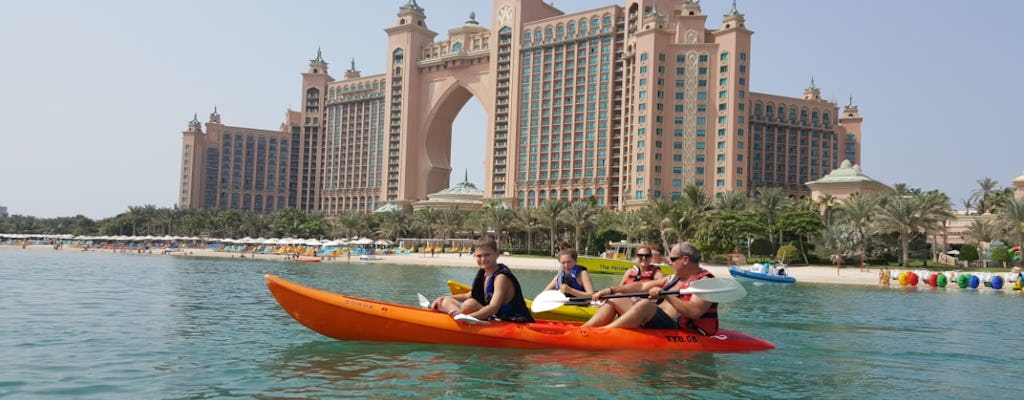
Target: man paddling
496	293
685	312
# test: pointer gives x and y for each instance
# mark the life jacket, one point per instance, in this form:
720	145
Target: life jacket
636	275
515	310
571	278
707	324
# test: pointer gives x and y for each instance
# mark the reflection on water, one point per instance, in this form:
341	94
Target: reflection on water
366	369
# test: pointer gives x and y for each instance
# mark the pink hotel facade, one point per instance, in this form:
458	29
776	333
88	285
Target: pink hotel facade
622	103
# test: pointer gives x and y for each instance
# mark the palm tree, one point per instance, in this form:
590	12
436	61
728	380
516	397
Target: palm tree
984	231
662	214
840	241
824	205
858	211
581	214
907	215
968	204
530	220
692	211
550	211
427	220
450	221
772	201
392	224
632	224
985	188
497	217
733	200
1011	213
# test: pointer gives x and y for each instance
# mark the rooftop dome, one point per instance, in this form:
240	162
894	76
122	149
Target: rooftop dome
847	172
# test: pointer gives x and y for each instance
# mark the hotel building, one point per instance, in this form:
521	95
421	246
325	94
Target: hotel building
620	103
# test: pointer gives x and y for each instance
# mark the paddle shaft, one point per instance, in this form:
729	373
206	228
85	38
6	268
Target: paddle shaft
635	294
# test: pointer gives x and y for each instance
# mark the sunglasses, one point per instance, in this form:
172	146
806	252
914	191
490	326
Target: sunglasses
673	259
643	255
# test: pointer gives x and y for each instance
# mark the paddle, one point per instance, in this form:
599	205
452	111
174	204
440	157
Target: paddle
425	303
715	290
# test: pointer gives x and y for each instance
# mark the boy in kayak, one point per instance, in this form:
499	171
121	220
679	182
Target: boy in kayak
684	312
496	293
573	279
646	268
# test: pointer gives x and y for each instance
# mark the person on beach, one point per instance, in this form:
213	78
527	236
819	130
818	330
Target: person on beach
572	279
496	292
646	268
684	312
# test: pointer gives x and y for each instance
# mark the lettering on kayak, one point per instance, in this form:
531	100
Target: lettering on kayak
681	339
359	304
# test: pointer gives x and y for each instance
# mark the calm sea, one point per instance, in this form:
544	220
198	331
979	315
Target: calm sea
123	326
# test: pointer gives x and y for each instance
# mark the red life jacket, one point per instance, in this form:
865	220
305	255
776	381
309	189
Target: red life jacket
635	275
707	324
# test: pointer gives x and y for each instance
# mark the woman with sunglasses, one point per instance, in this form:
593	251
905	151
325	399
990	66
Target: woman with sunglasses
573	279
645	269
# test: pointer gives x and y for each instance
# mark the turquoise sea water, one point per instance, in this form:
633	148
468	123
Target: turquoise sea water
124	326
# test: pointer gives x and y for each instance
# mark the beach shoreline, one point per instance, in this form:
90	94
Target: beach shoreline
803	274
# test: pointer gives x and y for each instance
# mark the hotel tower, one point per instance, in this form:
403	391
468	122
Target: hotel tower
620	103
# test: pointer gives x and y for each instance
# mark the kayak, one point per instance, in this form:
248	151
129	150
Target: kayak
344	317
611	266
563	313
759	275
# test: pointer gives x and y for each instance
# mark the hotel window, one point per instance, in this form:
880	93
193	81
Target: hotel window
723	81
743	56
700	145
724	94
723	69
643	57
700	158
700	133
677	170
724	56
702	70
679	83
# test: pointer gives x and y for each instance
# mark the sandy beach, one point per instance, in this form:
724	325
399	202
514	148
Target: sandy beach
803	274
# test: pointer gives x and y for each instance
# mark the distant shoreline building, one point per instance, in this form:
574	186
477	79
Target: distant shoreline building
620	103
3	211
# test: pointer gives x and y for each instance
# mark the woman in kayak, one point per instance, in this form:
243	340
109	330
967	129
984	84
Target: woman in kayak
496	293
646	268
572	279
684	312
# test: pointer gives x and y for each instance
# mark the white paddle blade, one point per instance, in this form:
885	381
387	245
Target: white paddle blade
423	300
469	319
717	290
548	300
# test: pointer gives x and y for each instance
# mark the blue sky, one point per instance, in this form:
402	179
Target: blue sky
94	95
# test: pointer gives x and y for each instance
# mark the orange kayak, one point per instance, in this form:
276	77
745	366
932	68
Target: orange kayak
349	318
